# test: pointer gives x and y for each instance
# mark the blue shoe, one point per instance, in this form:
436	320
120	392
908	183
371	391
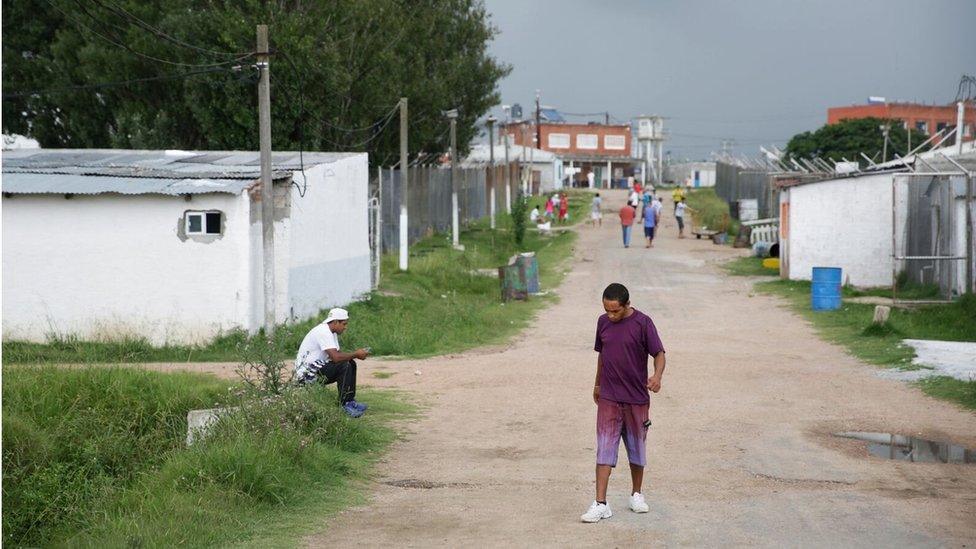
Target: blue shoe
351	409
362	407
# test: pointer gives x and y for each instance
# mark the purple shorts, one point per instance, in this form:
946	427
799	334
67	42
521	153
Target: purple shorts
614	419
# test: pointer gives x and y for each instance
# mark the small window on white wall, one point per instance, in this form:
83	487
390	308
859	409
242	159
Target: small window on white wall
201	223
586	141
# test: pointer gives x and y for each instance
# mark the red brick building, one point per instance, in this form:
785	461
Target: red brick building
601	149
927	119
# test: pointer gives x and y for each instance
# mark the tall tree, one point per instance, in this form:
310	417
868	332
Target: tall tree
849	138
338	69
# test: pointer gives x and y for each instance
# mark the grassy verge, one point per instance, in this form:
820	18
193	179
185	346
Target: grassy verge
441	304
708	210
96	457
748	266
851	326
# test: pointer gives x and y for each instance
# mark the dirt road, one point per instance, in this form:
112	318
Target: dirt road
740	452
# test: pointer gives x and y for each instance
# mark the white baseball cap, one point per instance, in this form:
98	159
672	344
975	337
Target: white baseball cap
337	314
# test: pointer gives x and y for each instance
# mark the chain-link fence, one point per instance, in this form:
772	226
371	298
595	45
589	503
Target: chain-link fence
429	199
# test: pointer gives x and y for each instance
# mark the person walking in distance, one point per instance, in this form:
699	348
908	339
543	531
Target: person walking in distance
679	215
625	337
650	223
627	214
596	216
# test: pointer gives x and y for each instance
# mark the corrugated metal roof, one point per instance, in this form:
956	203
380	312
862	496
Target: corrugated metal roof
94	171
44	183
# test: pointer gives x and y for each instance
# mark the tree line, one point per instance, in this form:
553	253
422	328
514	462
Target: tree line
180	73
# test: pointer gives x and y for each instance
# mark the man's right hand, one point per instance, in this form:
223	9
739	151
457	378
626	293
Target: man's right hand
361	354
596	394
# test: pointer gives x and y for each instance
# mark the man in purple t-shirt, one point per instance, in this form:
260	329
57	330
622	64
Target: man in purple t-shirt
625	337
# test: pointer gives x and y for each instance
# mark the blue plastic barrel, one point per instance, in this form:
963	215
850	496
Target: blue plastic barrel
825	290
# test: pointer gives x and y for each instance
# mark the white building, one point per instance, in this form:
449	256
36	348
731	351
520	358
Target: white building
694	174
105	244
861	222
547	168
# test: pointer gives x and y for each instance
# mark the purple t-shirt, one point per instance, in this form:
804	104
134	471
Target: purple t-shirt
625	346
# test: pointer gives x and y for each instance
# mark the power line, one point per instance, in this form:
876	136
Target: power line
119	10
126	47
101	85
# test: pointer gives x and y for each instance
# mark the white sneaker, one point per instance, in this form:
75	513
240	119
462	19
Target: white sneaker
596	512
637	503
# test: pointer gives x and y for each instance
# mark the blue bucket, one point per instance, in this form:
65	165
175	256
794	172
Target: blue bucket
825	290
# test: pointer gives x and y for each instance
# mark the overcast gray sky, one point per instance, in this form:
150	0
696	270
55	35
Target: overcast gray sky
757	71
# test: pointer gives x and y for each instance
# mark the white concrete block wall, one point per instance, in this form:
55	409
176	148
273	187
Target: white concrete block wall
108	266
842	223
329	261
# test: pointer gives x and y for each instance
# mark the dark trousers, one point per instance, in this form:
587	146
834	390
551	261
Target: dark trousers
343	374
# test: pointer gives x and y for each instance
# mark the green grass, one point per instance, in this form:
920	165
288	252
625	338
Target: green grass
748	266
440	305
95	457
708	210
851	326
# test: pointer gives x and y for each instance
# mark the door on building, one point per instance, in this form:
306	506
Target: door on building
697	178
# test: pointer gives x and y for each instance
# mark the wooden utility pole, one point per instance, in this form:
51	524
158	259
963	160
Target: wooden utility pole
508	176
403	184
267	185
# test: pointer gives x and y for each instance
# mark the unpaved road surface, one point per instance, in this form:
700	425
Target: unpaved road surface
740	452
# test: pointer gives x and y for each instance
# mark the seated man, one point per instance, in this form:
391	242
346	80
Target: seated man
319	359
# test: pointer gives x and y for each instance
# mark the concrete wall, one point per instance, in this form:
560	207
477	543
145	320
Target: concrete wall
842	223
329	261
679	173
107	266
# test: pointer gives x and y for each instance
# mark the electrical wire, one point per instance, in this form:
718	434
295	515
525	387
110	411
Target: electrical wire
119	10
102	85
126	47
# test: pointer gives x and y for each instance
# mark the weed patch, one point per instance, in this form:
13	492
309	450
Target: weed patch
96	457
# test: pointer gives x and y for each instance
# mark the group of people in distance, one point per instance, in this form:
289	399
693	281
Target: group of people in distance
645	205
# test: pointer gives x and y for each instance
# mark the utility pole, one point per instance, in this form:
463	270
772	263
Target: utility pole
455	237
508	176
960	121
538	118
491	171
267	185
606	118
884	147
403	184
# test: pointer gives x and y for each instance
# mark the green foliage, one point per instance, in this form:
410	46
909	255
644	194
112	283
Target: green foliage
336	64
95	457
72	436
708	210
748	266
949	388
519	213
849	138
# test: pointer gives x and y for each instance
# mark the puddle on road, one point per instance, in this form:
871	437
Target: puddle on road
889	446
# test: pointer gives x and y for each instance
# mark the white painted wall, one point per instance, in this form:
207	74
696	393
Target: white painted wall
329	261
686	170
107	266
842	223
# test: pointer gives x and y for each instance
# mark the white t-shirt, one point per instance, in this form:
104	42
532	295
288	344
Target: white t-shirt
634	198
679	210
314	345
656	204
534	215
